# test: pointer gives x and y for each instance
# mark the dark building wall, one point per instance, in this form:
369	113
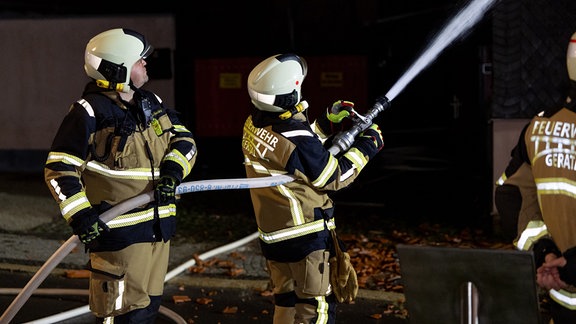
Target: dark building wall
530	39
442	110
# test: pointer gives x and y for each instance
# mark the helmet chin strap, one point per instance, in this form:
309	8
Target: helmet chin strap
571	100
110	85
132	86
299	107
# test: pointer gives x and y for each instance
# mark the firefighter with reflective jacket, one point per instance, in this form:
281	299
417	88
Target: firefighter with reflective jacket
116	142
294	219
542	171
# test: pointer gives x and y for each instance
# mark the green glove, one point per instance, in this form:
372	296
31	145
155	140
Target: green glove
88	226
340	110
165	192
93	231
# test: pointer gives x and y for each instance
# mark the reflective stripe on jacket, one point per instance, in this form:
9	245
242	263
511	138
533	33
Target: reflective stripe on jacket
543	167
103	154
551	148
301	210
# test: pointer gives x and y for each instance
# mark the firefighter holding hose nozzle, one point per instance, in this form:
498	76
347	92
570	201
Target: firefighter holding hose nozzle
296	219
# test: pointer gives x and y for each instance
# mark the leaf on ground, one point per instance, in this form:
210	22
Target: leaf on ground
226	264
178	299
236	272
204	300
230	310
77	274
196	269
199	262
238	256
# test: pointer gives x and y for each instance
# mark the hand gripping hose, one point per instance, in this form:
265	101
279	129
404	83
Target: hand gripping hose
343	140
127	205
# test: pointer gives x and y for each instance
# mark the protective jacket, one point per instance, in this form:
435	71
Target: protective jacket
543	167
108	150
294	218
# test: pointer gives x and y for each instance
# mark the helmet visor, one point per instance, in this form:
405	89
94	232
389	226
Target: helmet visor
147	51
294	57
148	48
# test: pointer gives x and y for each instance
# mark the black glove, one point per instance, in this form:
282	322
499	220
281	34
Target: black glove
88	226
541	248
375	134
340	110
165	192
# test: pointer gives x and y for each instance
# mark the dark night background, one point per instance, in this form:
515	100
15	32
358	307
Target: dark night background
438	155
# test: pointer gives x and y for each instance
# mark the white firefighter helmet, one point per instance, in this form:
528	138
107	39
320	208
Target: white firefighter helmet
571	58
275	84
110	56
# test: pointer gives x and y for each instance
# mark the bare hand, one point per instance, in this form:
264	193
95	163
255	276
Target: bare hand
547	275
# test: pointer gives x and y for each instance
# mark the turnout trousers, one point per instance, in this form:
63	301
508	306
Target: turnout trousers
302	293
128	284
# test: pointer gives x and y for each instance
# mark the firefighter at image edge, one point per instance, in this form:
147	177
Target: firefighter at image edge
538	190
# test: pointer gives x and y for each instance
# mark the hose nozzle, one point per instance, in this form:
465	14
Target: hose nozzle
344	140
382	103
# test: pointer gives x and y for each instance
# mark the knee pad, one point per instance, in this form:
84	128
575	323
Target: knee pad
146	315
286	299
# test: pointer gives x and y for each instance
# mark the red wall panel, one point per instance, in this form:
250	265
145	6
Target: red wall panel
222	101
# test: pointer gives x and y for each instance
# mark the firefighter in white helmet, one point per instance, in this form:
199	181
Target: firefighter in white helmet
117	142
294	219
542	170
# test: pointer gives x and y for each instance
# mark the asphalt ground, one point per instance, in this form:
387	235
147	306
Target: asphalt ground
215	300
228	285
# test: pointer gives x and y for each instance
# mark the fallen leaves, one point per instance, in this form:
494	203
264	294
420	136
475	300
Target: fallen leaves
179	299
375	258
230	267
373	255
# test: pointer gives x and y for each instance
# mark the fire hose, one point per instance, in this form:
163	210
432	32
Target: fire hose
125	206
464	20
342	142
